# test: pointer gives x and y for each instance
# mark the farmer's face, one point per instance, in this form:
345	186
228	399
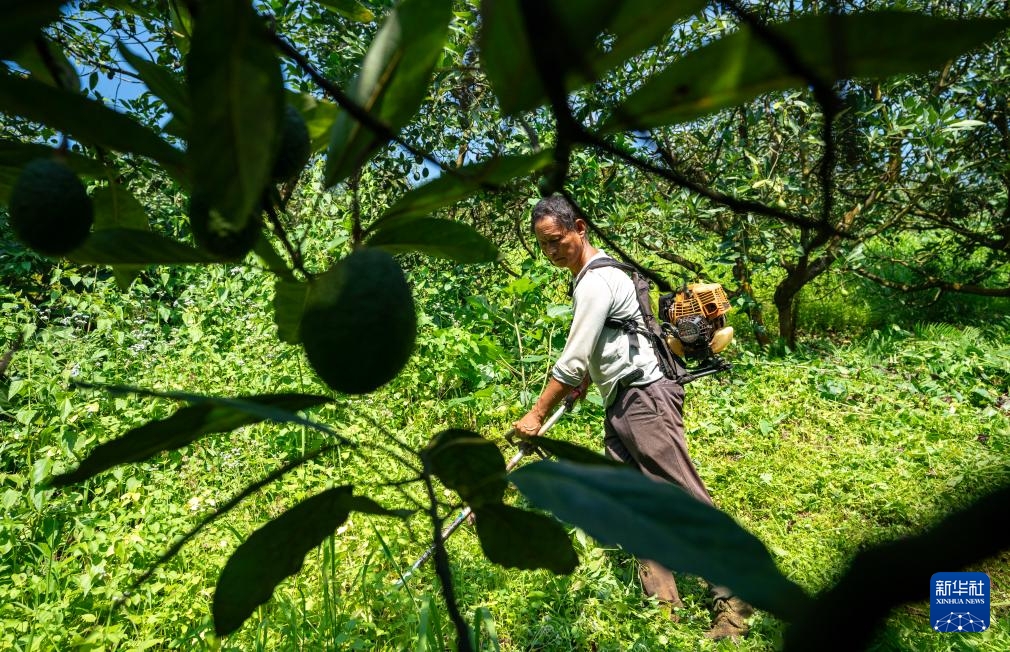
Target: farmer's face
564	248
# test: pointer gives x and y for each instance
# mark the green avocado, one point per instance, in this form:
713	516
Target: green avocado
50	211
359	324
295	147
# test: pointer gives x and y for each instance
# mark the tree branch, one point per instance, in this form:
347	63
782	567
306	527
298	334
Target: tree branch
689	265
442	569
933	283
738	205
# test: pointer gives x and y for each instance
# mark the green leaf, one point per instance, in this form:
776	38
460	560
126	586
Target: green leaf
319	117
135	8
564	450
23	20
516	538
468	464
659	521
631	33
14	156
266	252
182	26
289	304
160	81
507	55
132	247
435	237
116	207
392	83
33	61
739	67
349	9
962	125
507	58
277	550
184	427
463	182
85	120
236	90
267	412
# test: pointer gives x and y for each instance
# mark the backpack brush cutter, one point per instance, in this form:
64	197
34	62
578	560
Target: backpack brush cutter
693	320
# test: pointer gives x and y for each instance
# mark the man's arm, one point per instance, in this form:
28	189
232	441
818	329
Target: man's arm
592	305
553	393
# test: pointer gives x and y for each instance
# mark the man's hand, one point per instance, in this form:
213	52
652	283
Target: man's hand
529	425
554	393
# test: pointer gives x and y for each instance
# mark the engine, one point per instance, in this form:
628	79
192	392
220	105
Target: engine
694	320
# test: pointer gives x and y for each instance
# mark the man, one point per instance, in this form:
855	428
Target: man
644	425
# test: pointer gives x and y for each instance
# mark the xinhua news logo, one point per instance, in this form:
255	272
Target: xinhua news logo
959	602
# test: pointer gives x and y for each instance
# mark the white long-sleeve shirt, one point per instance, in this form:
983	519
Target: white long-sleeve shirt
604	353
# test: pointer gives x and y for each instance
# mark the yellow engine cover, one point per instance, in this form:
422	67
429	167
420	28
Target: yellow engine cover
706	299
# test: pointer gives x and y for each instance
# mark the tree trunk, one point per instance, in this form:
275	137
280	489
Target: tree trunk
752	308
789	289
785	303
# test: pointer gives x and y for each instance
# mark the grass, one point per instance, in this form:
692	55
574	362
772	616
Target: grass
819	453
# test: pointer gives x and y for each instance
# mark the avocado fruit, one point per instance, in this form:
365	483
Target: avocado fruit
359	325
49	209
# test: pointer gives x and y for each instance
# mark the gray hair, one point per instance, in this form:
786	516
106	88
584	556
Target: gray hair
559	208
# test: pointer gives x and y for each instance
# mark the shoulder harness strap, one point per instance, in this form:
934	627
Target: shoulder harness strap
668	361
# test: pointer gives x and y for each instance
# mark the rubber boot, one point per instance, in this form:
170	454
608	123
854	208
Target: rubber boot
658	582
729	618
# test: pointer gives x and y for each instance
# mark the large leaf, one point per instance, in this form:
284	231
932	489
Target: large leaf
184	427
572	36
152	13
23	20
349	9
261	410
132	247
516	538
182	26
236	91
14	156
267	253
741	66
289	304
277	550
49	65
452	187
85	120
160	81
659	521
319	117
392	83
435	237
468	464
116	207
564	450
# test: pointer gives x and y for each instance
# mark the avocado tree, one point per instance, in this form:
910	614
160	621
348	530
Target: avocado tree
886	180
241	94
